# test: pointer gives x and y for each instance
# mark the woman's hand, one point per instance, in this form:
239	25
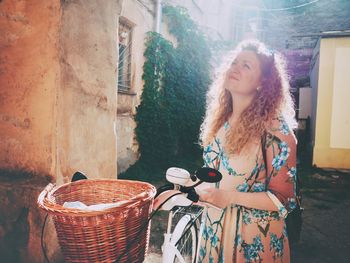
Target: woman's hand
217	197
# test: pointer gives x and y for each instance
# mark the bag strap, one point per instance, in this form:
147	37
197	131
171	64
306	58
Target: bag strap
263	150
263	145
264	156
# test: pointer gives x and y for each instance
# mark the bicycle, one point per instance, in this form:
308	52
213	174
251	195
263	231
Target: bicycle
182	244
181	241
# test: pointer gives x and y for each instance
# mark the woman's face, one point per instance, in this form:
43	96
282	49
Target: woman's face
244	74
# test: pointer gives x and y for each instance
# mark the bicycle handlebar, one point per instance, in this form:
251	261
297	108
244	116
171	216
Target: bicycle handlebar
179	176
189	190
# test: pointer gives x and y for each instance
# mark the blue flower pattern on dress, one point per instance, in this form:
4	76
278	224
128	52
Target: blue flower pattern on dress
246	217
258	187
210	234
238	240
202	252
242	187
214	240
280	159
282	210
292	203
205	233
292	172
214	156
257	213
276	245
219	157
284	127
251	251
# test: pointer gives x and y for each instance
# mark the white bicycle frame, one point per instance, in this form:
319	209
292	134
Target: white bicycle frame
180	177
170	239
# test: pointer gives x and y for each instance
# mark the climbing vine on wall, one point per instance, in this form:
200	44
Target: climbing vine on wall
176	79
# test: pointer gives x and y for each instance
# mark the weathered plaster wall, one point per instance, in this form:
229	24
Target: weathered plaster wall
127	144
29	76
29	80
87	97
143	21
57	110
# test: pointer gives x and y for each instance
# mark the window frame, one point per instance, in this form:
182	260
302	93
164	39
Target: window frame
125	85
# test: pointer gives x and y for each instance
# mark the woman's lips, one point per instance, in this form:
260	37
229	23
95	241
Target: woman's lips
231	76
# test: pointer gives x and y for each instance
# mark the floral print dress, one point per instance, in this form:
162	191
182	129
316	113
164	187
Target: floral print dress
243	234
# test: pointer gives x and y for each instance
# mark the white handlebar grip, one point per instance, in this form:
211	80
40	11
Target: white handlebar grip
177	175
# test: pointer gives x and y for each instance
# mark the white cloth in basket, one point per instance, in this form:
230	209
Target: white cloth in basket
96	207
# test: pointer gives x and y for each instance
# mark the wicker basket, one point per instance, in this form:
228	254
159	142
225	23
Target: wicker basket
119	234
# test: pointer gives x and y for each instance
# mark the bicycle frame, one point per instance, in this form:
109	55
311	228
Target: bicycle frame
178	199
169	247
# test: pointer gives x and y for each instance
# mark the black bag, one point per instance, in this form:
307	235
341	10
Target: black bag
294	218
294	222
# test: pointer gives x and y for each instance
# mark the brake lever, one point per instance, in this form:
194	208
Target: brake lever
192	195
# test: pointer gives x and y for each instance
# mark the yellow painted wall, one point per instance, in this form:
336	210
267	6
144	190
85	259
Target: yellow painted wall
324	155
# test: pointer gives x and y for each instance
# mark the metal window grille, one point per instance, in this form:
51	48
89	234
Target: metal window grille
124	60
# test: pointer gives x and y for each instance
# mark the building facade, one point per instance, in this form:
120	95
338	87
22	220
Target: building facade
57	110
330	120
221	21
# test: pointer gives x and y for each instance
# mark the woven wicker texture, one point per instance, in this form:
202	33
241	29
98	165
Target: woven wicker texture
118	234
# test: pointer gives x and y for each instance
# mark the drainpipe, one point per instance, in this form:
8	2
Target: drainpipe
158	15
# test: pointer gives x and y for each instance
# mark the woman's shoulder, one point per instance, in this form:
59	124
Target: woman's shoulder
278	127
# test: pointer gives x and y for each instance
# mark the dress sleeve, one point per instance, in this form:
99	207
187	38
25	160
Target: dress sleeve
281	168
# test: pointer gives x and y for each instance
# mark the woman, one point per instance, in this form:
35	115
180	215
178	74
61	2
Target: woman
249	122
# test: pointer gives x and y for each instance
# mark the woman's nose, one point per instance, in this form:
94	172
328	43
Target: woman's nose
235	68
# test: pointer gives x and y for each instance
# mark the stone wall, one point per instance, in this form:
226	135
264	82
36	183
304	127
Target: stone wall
299	28
58	101
21	222
87	98
29	77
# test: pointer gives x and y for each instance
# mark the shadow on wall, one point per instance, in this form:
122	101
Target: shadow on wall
21	220
304	150
128	159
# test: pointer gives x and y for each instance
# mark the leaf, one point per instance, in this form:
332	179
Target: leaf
264	231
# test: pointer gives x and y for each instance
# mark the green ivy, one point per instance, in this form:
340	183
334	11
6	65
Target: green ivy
176	79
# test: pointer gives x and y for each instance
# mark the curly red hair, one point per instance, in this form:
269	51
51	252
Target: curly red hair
271	101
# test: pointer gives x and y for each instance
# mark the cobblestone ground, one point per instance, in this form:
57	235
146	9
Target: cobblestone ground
326	227
325	235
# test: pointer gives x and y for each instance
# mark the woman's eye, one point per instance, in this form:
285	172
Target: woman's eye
246	66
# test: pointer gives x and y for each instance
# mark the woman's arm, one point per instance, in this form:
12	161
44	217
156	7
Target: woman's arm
281	172
224	198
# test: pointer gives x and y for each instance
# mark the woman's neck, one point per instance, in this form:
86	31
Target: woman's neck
239	104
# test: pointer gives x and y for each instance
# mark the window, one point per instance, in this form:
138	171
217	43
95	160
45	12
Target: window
124	62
